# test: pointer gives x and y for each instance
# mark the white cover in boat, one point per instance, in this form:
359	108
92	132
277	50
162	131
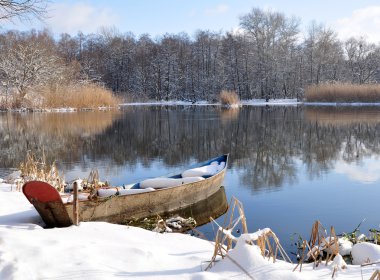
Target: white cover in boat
160	183
207	170
133	191
187	180
80	197
113	191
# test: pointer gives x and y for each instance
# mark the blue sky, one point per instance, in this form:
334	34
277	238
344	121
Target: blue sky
157	17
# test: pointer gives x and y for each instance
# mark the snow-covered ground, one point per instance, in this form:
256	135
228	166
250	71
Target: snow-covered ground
169	103
97	250
252	102
341	104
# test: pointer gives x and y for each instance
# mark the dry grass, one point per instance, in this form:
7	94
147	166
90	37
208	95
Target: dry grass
343	93
229	98
80	97
34	168
11	101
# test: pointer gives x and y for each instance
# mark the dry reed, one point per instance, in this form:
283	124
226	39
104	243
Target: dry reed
229	98
80	96
343	93
34	168
375	275
319	241
11	101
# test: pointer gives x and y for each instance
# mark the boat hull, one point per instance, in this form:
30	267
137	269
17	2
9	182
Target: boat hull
118	209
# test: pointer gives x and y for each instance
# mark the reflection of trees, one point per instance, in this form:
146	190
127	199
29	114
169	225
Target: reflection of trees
59	134
263	141
355	130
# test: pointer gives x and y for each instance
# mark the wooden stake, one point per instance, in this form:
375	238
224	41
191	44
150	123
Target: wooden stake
76	205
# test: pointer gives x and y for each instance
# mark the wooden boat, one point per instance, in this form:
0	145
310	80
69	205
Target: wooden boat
120	208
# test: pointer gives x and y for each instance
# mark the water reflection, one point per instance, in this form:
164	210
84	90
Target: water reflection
340	116
265	143
60	134
229	114
212	207
281	158
367	172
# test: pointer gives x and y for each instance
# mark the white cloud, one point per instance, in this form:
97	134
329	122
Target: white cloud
362	22
217	10
71	18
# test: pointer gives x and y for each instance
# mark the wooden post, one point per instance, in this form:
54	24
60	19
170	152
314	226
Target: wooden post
76	205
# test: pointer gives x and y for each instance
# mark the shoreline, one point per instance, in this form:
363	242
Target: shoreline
253	102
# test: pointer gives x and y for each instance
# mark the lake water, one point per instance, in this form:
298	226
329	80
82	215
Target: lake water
289	166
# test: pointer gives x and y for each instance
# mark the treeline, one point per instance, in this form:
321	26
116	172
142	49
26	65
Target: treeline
267	58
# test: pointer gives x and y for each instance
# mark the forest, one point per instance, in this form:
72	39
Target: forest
267	57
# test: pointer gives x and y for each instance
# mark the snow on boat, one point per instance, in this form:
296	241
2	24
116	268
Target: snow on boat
135	201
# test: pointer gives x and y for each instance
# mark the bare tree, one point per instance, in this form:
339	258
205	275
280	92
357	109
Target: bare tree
22	9
272	36
324	55
363	60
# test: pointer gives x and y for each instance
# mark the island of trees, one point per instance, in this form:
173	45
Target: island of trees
268	57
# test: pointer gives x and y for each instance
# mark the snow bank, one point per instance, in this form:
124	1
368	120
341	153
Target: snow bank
348	104
171	103
365	253
97	250
263	102
246	260
251	102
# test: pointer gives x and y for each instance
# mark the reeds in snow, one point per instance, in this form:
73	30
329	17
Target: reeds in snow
224	237
319	242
